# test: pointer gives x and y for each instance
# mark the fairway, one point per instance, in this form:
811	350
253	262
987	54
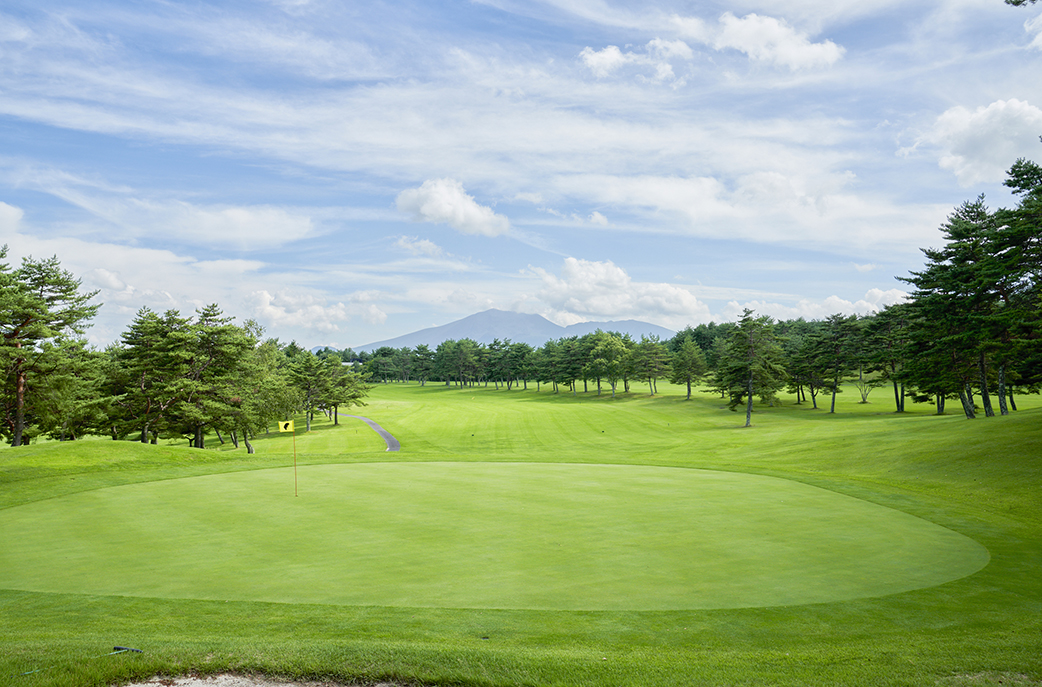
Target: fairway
548	536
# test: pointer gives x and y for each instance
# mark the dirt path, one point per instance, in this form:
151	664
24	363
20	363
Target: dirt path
392	443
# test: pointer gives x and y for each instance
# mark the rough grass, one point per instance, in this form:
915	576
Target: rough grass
978	478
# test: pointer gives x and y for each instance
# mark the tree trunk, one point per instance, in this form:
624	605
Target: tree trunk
1012	403
689	388
897	397
336	414
1003	408
219	437
982	367
835	390
967	403
19	394
199	441
940	404
749	403
249	446
234	436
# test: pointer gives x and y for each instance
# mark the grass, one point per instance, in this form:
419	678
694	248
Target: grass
979	479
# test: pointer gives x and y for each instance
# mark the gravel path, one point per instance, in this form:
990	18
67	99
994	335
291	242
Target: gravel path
392	443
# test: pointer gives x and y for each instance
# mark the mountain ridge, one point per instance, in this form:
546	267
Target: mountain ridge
534	330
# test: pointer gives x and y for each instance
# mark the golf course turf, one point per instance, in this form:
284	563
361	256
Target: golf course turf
515	535
525	537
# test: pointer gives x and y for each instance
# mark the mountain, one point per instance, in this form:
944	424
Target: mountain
534	330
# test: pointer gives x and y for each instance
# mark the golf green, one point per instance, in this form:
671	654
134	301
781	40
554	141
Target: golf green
479	535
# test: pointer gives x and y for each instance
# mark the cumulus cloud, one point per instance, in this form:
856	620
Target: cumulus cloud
762	38
980	145
586	290
771	40
445	201
873	301
658	54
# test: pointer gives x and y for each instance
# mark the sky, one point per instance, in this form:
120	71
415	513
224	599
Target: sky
348	172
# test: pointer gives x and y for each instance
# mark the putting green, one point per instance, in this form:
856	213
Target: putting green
479	535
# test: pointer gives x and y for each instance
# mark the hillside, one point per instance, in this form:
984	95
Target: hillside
534	330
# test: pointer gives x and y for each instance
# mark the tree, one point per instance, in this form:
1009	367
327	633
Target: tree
424	363
69	403
831	350
147	373
651	360
607	360
308	376
38	302
887	350
267	392
344	387
752	363
957	308
688	364
801	365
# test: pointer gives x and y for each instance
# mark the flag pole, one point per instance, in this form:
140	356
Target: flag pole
287	426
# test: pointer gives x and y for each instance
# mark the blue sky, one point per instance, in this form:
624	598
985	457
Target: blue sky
349	172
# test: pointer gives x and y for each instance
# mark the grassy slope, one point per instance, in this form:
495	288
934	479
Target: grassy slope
980	478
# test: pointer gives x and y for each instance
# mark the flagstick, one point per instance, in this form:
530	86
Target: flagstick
294	462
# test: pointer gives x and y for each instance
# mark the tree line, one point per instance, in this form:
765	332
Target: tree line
169	376
970	331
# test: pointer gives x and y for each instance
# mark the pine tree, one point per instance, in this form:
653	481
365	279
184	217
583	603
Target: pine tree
39	302
752	363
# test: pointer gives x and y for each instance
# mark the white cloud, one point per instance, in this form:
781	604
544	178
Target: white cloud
771	40
657	54
310	311
598	219
127	215
980	145
446	201
591	290
10	218
1035	26
603	62
418	246
873	301
260	226
761	38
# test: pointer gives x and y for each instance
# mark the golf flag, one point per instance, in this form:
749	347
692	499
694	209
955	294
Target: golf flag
286	426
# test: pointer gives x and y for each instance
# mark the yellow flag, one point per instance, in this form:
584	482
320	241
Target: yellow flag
286	426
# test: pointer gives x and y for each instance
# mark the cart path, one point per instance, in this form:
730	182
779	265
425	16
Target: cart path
392	443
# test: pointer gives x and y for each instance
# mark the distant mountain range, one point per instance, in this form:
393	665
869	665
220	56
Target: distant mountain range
534	330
